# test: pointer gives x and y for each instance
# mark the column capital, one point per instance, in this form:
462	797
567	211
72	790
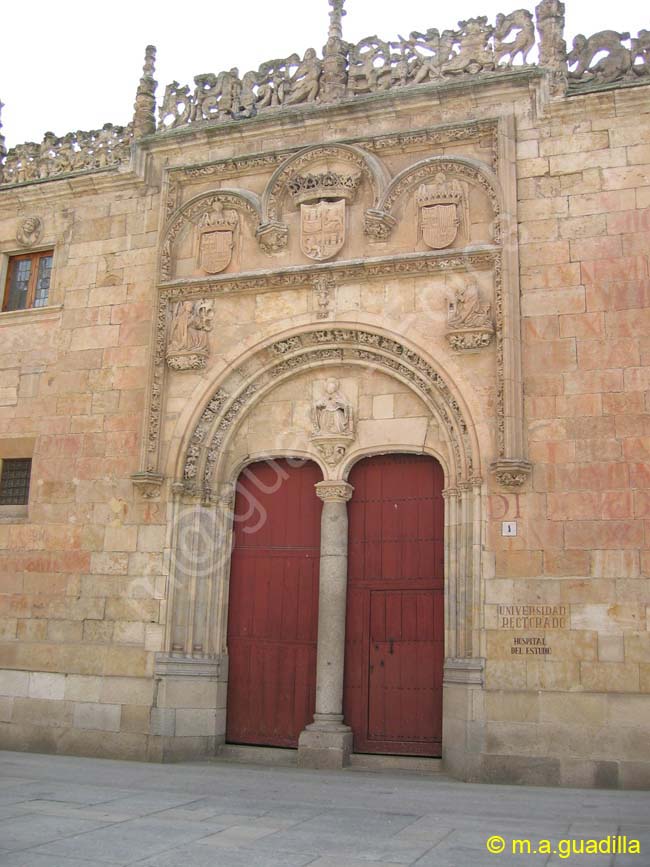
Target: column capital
338	492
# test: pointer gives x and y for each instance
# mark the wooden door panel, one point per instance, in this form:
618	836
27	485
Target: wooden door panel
273	605
394	631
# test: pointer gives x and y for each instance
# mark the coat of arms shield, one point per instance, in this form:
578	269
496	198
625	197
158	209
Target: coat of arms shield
322	228
215	249
439	225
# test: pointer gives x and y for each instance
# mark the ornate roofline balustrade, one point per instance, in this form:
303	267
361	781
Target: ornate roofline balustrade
347	71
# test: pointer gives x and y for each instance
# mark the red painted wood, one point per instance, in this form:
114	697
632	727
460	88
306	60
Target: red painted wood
273	604
395	626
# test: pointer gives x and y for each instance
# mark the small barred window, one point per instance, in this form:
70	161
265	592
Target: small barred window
14	481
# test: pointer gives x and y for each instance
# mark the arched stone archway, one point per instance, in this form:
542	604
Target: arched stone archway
230	430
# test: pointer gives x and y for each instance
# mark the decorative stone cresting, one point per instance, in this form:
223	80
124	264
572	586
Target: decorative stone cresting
346	71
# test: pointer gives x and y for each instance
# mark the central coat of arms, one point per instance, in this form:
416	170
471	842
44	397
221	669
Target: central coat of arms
216	239
322	228
439	218
322	200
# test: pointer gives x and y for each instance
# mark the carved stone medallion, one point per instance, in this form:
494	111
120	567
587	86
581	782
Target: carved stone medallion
439	219
216	239
29	231
322	229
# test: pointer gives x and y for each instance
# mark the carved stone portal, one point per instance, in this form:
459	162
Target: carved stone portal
469	320
322	200
216	238
439	205
188	346
333	421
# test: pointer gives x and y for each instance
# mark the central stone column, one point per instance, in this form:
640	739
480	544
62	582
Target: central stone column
327	742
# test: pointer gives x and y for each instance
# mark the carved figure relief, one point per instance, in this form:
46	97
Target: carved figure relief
188	346
29	231
216	238
521	22
333	423
439	204
469	319
322	199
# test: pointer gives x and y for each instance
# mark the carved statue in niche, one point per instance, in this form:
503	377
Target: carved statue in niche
188	346
216	238
439	205
29	231
469	319
322	199
333	423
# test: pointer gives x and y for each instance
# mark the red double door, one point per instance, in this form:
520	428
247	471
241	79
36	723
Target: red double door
394	634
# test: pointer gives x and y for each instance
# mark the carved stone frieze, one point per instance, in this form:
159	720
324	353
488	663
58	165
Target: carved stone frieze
30	231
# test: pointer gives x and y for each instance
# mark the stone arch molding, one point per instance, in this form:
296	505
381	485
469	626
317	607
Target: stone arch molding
198	470
246	203
204	491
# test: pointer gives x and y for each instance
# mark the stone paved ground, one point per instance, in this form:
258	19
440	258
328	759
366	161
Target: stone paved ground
70	812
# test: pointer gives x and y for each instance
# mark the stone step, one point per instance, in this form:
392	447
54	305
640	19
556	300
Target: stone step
413	764
257	755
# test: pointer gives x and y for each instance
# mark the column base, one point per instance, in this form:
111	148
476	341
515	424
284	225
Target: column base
325	747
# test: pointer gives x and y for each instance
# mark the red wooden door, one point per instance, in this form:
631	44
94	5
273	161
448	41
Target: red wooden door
395	627
273	604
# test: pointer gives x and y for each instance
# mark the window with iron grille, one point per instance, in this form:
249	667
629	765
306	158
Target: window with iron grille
28	281
14	481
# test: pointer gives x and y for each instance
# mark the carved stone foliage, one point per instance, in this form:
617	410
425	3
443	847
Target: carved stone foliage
439	204
188	346
333	423
469	319
74	152
29	231
511	473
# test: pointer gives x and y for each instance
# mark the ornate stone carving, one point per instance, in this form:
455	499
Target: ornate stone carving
511	473
3	149
304	85
333	423
439	205
324	285
334	491
469	320
216	238
144	117
149	484
378	225
188	346
614	66
549	15
273	237
322	199
521	22
29	231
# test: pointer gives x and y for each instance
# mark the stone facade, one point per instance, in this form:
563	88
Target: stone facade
461	244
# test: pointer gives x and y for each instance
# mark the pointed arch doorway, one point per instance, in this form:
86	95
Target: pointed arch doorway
394	653
273	603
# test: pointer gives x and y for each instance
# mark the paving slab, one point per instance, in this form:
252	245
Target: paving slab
58	811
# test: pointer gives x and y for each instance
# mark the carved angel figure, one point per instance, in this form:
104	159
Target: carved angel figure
520	21
332	414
